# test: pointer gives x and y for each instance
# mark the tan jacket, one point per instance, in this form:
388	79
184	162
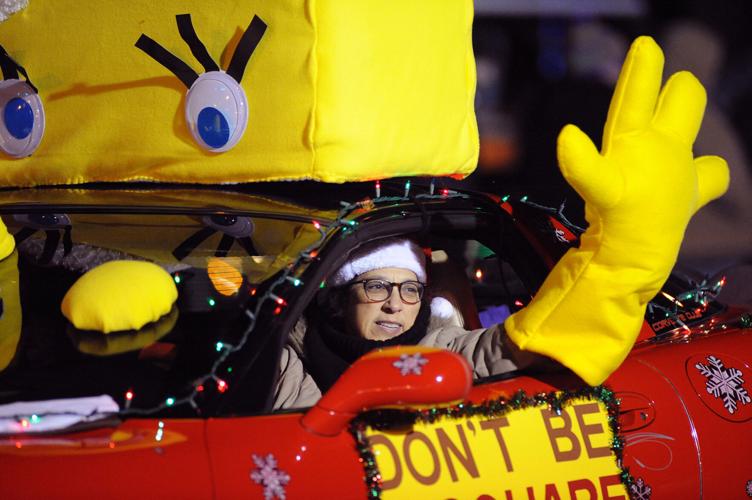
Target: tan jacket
484	349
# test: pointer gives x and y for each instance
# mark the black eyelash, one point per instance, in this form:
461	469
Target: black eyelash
11	68
243	52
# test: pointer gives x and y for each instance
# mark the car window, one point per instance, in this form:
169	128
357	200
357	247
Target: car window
480	282
683	302
216	260
479	262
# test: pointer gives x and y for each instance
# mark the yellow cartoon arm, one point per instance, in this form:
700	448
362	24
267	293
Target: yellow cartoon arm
10	314
640	192
7	243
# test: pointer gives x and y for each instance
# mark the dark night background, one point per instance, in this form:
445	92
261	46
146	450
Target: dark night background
547	63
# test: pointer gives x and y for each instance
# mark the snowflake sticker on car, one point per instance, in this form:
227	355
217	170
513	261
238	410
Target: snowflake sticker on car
410	364
270	476
639	490
724	383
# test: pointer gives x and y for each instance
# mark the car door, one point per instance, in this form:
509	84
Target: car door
274	456
139	458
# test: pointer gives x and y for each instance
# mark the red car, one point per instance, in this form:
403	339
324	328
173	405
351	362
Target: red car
183	408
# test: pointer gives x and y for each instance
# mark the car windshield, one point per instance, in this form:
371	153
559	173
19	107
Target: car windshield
216	258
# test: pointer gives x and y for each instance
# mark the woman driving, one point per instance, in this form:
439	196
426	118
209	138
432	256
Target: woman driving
380	298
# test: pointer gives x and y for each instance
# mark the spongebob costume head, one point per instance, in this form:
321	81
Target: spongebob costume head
339	91
326	90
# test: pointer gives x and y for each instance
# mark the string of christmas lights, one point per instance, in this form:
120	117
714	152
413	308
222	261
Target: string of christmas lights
695	299
558	212
344	222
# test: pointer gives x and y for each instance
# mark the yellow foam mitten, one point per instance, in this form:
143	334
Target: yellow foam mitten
119	295
10	314
640	192
7	243
10	318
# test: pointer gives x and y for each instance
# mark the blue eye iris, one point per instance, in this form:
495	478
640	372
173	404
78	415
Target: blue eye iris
213	127
19	118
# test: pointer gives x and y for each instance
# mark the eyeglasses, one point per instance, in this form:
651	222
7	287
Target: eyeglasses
411	292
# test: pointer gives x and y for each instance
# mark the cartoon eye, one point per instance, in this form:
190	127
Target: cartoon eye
216	110
216	107
21	111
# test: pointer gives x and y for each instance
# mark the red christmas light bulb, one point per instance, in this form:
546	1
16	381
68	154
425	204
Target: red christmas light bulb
222	386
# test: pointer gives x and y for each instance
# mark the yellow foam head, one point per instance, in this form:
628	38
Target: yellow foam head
336	91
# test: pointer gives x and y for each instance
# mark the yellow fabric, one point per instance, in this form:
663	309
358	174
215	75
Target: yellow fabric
640	192
10	320
337	91
119	295
7	242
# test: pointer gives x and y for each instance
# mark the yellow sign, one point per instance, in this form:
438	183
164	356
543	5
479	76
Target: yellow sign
529	454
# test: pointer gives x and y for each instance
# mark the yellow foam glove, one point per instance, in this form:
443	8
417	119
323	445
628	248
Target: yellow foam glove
10	319
119	295
10	314
640	192
7	243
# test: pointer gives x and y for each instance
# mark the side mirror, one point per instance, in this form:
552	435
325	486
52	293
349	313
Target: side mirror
396	376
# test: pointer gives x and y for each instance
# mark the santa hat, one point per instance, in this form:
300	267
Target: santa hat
393	252
402	253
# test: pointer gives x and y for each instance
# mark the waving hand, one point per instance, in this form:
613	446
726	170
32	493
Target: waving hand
640	191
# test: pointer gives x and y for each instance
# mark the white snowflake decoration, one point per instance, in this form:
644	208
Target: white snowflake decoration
408	364
725	383
749	488
640	491
267	474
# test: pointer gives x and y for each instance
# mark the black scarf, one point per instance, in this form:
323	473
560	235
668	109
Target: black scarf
329	351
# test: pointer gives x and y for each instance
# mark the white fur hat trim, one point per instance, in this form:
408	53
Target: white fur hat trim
441	308
9	7
401	253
